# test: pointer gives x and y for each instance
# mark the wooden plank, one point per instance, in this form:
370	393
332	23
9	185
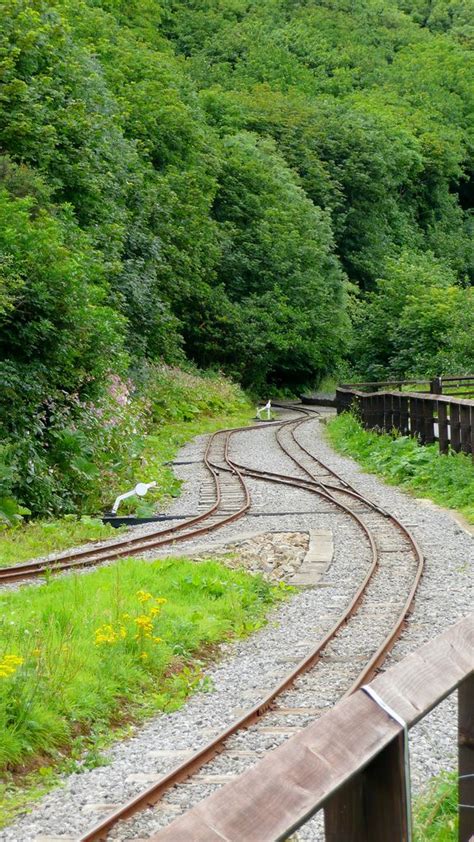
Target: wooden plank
396	412
404	416
472	432
465	423
379	411
428	414
283	790
415	427
373	804
455	425
443	429
387	412
466	759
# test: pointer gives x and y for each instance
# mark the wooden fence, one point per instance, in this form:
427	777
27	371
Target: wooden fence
447	420
351	762
461	385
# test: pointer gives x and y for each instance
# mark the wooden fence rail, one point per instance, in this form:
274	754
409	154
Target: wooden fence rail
439	385
350	762
447	420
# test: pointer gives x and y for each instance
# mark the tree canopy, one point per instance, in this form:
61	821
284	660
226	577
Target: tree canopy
236	183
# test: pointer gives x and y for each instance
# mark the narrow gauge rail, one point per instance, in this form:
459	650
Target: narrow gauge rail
379	529
232	501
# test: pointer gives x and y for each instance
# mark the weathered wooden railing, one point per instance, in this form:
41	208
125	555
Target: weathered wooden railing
460	384
351	762
448	420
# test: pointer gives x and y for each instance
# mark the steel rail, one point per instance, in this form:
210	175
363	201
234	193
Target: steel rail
379	656
130	546
180	773
184	770
371	668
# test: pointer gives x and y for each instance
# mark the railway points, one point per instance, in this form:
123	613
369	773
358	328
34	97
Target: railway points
346	656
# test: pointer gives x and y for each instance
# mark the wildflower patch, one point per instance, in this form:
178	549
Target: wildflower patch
80	652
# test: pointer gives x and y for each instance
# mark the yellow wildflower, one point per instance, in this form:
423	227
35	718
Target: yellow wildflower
9	665
105	634
144	656
145	624
144	596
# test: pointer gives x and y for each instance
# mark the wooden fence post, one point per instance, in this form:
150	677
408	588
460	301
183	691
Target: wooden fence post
466	758
372	806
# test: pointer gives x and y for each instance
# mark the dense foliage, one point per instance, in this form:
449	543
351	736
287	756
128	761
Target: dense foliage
79	453
231	182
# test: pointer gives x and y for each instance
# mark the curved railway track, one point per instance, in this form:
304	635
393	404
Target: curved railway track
386	592
231	501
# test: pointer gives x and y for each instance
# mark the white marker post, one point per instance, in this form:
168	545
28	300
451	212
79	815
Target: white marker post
140	490
268	408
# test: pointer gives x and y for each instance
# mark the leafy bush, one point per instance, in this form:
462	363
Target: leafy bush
416	322
182	395
79	452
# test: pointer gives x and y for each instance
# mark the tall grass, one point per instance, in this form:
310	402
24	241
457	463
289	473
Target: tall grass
435	814
90	650
401	460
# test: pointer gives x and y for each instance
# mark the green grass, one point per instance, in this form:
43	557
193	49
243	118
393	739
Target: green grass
26	540
435	814
49	536
447	480
84	653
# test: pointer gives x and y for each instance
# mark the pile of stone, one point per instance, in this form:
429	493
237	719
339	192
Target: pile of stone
276	555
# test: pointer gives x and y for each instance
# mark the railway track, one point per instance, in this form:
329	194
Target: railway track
347	656
228	500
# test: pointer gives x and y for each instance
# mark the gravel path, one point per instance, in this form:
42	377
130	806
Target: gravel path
250	666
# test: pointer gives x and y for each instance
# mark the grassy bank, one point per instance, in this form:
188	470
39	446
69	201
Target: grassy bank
435	814
421	469
84	653
178	407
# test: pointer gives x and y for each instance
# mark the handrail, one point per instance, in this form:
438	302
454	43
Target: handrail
350	761
434	384
417	395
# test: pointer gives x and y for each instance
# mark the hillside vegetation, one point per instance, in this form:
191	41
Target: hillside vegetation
226	182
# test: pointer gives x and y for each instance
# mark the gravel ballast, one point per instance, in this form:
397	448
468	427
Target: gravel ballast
248	667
